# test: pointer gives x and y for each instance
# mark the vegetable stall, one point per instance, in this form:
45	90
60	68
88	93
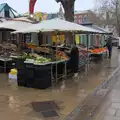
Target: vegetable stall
42	67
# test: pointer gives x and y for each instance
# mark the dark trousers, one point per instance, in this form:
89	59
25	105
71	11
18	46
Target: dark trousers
74	66
110	52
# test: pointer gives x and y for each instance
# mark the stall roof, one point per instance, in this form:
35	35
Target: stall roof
102	29
91	25
57	25
14	25
24	19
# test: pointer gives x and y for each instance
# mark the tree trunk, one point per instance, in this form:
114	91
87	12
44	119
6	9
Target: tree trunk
69	11
69	16
119	31
118	28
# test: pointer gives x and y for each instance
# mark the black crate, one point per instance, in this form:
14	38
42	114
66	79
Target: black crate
21	77
20	63
21	81
42	83
29	77
42	70
29	65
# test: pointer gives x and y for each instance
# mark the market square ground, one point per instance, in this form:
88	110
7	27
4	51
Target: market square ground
18	103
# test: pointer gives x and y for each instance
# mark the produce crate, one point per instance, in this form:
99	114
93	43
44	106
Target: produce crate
29	77
42	70
21	77
42	83
42	76
29	65
20	63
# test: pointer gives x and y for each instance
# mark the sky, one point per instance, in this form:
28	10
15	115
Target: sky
21	6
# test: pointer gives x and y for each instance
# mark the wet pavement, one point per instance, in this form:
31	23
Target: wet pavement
59	102
110	107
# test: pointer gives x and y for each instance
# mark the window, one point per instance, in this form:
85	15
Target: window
7	14
80	19
85	19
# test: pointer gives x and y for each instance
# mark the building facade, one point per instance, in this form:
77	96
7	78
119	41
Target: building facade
88	16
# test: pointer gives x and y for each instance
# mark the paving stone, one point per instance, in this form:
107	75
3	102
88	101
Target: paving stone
102	92
85	113
115	105
93	101
111	111
111	118
118	113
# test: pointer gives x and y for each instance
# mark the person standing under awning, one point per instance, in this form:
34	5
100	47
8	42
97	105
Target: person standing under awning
74	60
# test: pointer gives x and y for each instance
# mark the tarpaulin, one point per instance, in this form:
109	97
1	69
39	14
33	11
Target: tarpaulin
31	6
62	37
77	39
54	38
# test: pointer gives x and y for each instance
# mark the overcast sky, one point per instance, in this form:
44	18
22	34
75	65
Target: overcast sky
21	6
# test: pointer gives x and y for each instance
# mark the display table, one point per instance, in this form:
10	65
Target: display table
40	75
98	56
59	70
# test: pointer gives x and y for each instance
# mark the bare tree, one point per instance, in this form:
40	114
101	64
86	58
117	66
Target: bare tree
112	10
68	6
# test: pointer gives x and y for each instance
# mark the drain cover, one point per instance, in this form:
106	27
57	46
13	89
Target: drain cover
51	113
44	106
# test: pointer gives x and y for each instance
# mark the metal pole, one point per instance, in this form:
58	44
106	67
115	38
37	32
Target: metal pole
56	58
65	70
87	52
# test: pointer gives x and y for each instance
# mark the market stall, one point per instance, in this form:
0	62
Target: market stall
6	50
98	52
94	42
38	71
49	61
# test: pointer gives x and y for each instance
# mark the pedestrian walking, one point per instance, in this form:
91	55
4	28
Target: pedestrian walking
109	46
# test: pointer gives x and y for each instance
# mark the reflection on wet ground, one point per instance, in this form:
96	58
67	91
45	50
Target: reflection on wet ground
110	107
17	103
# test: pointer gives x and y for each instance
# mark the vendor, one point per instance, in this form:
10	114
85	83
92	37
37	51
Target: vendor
74	60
